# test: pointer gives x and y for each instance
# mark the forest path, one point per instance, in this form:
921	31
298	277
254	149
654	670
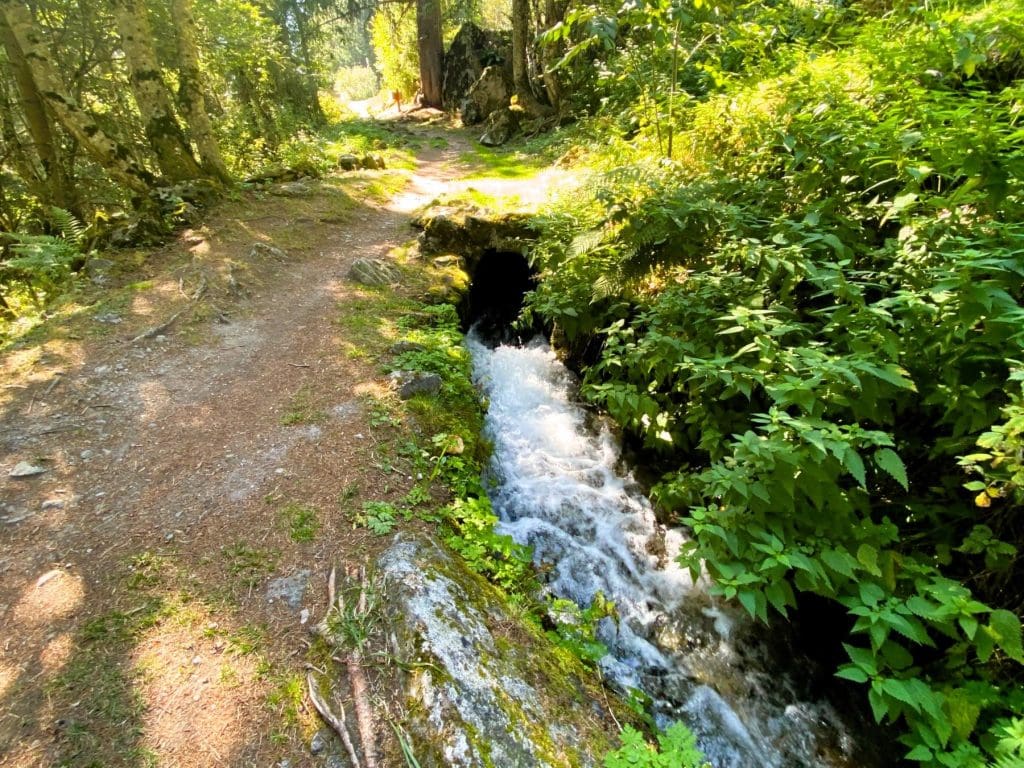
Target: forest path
154	580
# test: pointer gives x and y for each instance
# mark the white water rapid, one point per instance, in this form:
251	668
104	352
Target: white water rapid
559	490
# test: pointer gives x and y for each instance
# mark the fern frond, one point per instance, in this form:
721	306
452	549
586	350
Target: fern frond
67	223
585	242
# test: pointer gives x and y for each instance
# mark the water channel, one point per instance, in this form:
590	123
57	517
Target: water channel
559	487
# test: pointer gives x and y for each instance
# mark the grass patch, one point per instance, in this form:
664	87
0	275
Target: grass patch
146	570
302	410
378	186
367	320
518	161
249	565
359	136
472	197
288	699
106	722
301	520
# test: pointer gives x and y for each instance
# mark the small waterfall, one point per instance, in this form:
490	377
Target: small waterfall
558	489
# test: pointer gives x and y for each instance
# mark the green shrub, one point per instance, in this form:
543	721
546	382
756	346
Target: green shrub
812	321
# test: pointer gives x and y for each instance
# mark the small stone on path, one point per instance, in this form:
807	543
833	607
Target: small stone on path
293	189
24	469
290	589
320	741
264	250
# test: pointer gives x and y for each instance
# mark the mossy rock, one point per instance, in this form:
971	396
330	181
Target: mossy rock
483	687
470	232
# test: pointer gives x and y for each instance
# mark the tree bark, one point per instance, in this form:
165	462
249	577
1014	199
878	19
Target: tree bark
173	154
115	158
55	187
520	33
554	12
431	50
190	91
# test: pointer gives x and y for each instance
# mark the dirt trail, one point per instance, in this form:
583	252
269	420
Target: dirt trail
135	623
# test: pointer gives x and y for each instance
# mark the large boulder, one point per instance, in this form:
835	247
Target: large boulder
488	94
501	126
483	687
472	50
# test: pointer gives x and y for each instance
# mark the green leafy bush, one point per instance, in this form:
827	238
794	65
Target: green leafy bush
812	322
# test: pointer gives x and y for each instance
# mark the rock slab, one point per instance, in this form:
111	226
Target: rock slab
482	687
374	272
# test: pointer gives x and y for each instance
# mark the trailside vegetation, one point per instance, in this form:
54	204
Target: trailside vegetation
123	117
796	281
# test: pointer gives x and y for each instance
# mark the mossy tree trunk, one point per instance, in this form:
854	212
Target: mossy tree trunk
431	50
190	91
113	156
165	136
51	181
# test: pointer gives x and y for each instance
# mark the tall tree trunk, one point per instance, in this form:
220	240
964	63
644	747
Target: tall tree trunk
431	50
554	12
13	151
55	186
115	158
520	33
190	91
173	154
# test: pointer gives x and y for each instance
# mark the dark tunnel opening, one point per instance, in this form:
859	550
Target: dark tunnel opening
499	284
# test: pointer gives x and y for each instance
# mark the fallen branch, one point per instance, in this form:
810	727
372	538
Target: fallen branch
156	330
337	723
54	383
203	285
332	581
360	687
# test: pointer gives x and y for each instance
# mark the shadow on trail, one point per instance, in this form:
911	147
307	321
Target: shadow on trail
123	647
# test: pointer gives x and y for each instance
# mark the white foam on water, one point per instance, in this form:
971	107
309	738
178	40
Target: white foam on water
558	490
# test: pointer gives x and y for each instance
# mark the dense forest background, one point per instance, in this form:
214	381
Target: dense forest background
795	278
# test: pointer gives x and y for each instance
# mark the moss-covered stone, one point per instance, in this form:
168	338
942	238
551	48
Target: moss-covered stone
470	232
484	687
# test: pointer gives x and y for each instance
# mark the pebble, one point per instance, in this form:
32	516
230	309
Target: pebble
24	469
319	743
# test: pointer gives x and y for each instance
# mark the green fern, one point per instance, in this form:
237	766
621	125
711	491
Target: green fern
71	229
46	261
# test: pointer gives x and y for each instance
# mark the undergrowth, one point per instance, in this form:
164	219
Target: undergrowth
808	310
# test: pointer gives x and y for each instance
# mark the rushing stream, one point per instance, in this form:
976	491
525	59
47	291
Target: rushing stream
559	489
